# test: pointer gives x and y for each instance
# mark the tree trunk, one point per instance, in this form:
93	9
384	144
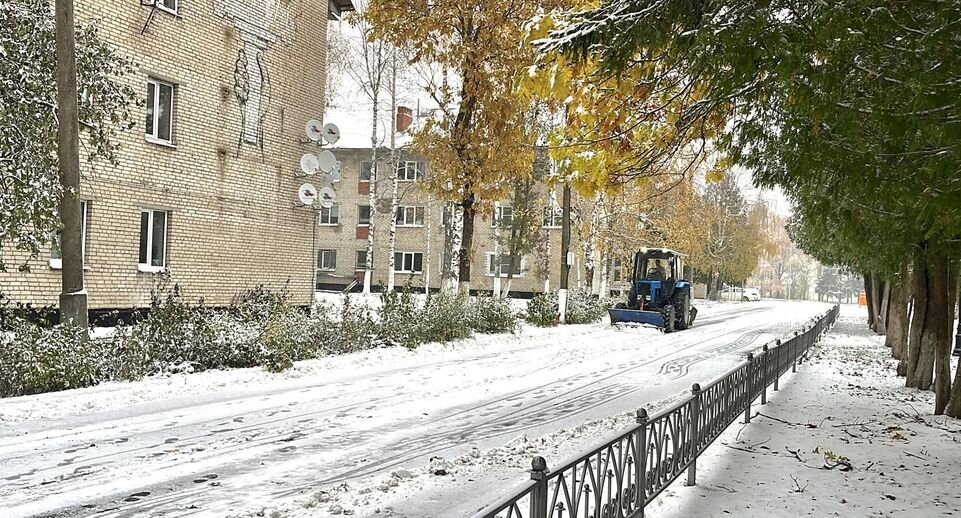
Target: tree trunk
942	311
954	403
466	244
897	337
884	306
918	294
73	296
868	294
372	193
452	240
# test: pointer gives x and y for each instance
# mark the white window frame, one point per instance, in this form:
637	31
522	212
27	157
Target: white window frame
491	257
154	137
147	266
405	166
557	217
414	210
330	213
499	216
322	254
412	256
57	262
172	10
370	215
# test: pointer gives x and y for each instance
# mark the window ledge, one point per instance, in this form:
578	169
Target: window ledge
410	226
364	225
408	273
328	224
146	268
160	142
57	264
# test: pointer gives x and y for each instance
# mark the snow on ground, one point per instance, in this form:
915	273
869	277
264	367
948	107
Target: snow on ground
225	442
842	437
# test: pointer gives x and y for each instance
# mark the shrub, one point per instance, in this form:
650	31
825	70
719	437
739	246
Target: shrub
445	318
35	359
492	315
354	331
584	308
542	310
397	319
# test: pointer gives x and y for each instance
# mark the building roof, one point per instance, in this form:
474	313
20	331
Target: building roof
339	7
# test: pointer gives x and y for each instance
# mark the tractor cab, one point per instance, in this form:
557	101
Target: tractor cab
659	294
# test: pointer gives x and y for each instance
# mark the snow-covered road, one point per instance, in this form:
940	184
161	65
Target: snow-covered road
219	442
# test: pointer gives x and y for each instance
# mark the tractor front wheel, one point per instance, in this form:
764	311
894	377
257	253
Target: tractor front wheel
669	317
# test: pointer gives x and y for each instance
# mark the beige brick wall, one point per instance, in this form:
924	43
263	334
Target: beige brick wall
343	237
233	220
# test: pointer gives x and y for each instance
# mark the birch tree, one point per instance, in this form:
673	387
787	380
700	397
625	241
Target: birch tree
369	69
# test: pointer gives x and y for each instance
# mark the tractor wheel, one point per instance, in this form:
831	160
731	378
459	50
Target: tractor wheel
668	319
745	299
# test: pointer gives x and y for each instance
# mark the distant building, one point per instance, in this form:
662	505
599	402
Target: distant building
419	255
206	187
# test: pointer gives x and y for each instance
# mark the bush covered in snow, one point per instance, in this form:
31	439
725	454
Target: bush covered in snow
36	359
492	315
584	307
542	310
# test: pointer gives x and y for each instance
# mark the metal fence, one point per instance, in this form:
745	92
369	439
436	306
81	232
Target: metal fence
618	479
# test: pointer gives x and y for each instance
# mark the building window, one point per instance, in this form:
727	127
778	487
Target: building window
160	106
618	270
327	260
153	239
56	258
410	216
553	217
363	215
361	261
365	170
408	171
330	216
503	216
447	214
408	262
505	265
167	5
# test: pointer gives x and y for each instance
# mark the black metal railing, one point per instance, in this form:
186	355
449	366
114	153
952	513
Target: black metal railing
618	479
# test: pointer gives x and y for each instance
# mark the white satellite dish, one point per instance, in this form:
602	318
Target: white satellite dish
307	194
309	163
331	133
324	180
327	197
326	161
315	130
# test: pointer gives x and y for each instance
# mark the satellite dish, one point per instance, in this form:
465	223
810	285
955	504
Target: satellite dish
327	197
331	133
324	180
314	130
309	163
327	161
307	194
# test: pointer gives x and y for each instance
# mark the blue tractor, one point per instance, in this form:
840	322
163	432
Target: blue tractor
659	295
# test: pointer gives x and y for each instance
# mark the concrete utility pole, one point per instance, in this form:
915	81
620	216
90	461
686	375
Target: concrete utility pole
565	253
73	297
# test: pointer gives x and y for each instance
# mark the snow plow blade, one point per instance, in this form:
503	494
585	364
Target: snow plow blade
636	316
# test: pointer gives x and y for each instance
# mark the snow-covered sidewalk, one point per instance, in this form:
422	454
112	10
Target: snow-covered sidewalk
842	437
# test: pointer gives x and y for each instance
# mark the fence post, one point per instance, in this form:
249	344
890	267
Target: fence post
794	344
765	360
749	380
777	362
804	347
695	424
539	494
640	476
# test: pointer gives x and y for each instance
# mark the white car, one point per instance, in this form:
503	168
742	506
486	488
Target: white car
742	294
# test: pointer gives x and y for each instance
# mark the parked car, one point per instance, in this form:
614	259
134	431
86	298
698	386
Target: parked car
742	294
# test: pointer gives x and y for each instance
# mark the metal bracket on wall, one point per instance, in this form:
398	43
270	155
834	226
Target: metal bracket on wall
153	10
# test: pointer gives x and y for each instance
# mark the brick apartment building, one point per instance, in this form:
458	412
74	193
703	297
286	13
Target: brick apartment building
206	187
419	254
